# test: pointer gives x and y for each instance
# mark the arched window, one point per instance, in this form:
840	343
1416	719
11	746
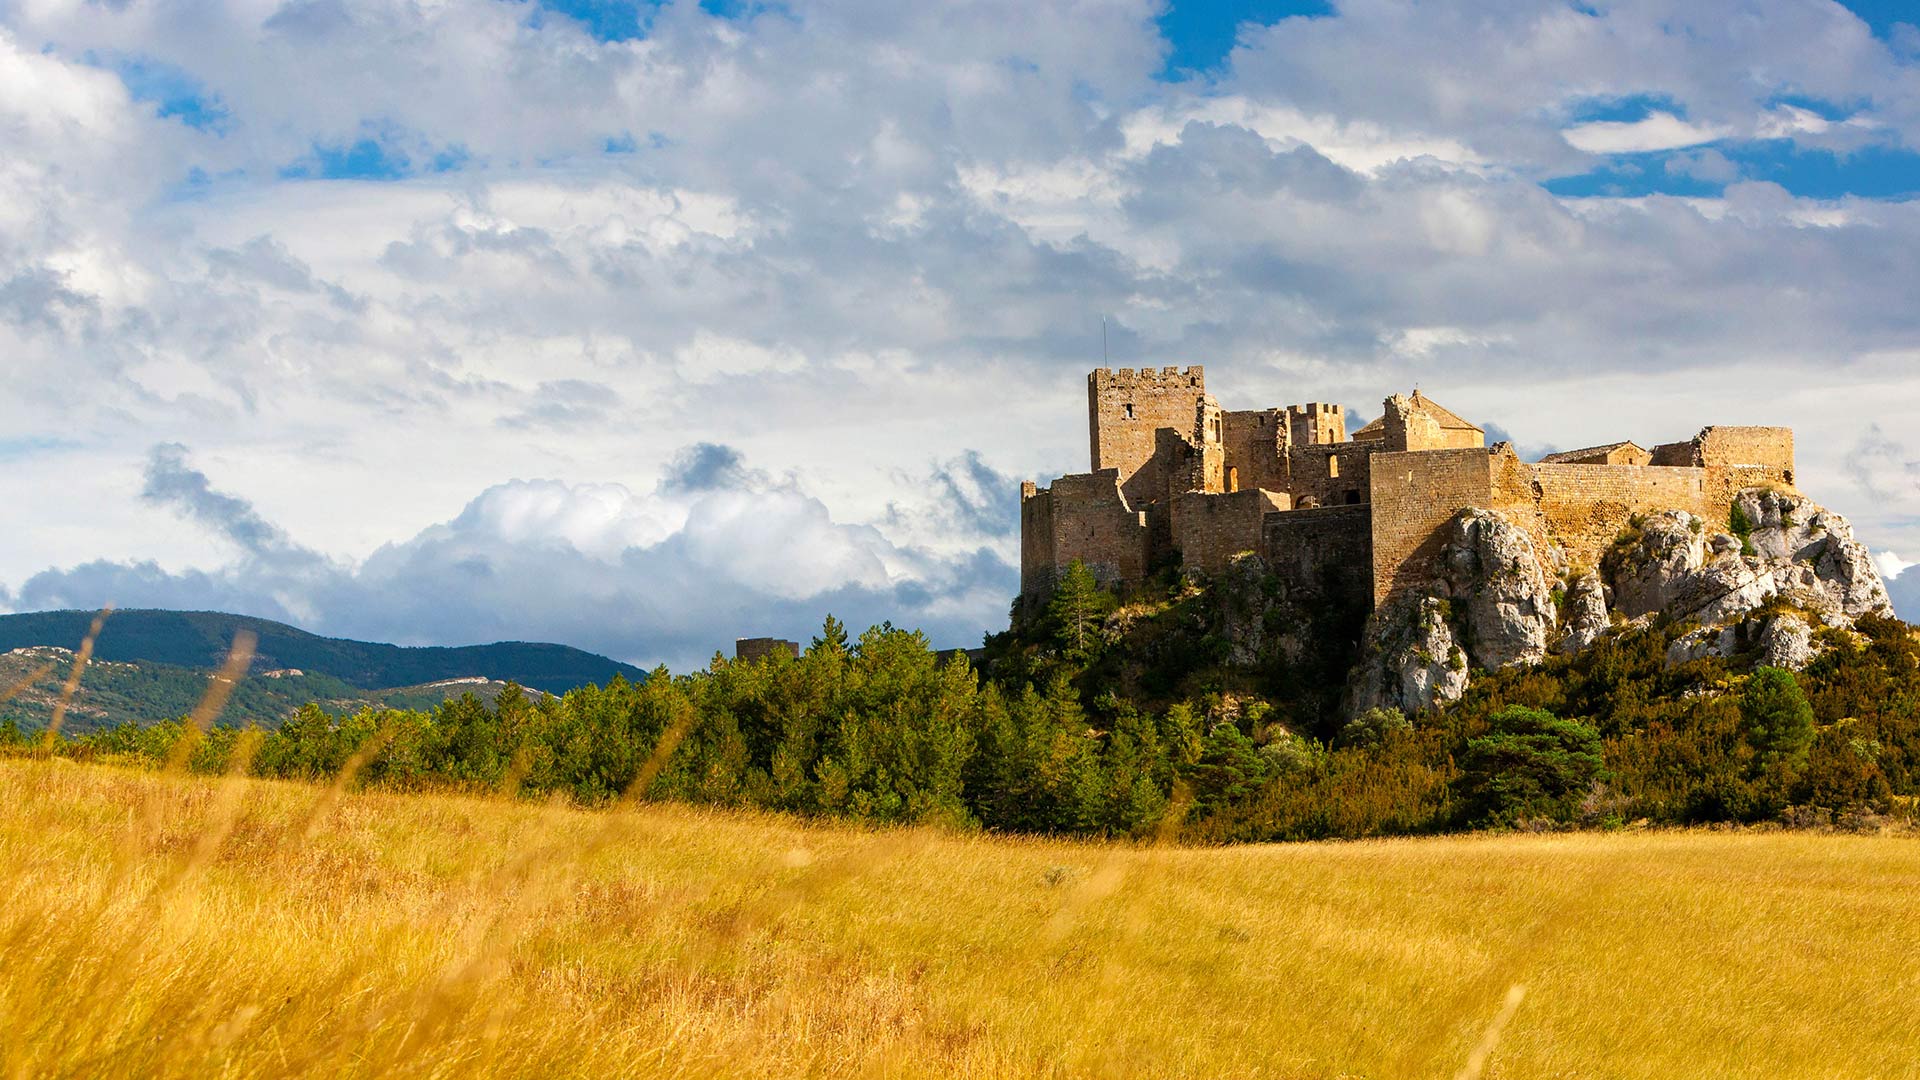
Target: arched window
1233	478
1333	465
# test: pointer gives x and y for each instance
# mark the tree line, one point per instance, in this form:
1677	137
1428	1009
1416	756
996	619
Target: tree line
880	729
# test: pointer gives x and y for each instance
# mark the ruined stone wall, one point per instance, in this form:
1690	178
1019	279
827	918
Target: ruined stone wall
1414	494
1756	447
1316	424
1585	507
1761	450
1255	444
1335	475
1211	528
1083	517
1209	472
1322	556
1125	411
1036	541
752	649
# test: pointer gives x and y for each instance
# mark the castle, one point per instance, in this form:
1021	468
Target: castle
1344	518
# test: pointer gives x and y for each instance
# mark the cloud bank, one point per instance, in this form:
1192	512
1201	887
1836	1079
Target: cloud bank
382	263
657	576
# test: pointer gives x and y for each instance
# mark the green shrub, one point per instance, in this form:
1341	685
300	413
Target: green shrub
1530	765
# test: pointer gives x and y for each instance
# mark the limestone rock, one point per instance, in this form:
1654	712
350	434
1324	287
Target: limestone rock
1649	574
1411	660
1818	562
1587	619
1782	640
1700	643
1787	642
1495	575
1797	550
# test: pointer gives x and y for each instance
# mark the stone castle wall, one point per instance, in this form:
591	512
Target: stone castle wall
1335	475
1254	443
1127	412
1414	494
1322	556
1584	507
1177	476
1082	517
1210	529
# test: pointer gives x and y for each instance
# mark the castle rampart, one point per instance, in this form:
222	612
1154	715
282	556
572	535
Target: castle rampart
1178	478
1213	528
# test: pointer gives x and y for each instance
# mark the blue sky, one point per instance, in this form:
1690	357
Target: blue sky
1199	38
446	303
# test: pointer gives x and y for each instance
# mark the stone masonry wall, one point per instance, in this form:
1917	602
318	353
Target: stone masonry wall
1210	529
1036	541
1083	517
1124	410
1333	475
1585	507
1322	556
1414	493
1254	442
1762	447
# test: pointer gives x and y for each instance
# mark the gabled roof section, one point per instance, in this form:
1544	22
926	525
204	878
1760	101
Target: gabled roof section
1445	417
1566	456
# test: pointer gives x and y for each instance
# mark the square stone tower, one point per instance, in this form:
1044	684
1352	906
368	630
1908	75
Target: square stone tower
1144	423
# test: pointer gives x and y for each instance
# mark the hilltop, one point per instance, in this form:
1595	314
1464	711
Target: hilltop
150	666
200	640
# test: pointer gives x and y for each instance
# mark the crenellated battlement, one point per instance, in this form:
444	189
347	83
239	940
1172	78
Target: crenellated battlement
1165	378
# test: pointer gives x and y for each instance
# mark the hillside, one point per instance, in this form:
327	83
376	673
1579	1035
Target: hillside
194	927
115	692
199	640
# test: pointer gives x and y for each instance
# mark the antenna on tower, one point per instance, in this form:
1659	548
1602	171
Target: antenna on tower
1103	341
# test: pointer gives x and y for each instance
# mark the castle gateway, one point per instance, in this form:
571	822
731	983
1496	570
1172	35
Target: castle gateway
1346	517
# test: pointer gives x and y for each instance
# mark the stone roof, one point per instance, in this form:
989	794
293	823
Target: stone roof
1565	456
1445	417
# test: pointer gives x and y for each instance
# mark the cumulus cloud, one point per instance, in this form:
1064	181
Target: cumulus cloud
867	247
717	552
1905	591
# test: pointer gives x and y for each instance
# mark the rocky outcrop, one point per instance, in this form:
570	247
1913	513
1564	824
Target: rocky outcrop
1783	639
1764	594
1410	659
1496	578
1816	561
1587	618
1794	555
1650	570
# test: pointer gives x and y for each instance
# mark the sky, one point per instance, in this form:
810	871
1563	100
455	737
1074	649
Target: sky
645	327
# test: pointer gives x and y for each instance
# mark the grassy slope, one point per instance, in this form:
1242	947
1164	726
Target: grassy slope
170	926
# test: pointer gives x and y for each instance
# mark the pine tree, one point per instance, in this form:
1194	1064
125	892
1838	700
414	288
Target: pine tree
1779	722
1077	609
833	637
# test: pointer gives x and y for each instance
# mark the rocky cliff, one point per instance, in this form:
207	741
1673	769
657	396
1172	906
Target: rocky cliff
1762	584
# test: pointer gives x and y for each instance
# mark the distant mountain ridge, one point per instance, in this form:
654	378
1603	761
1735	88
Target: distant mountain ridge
200	640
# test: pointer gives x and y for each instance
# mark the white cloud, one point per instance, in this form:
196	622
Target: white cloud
854	239
1891	565
1658	131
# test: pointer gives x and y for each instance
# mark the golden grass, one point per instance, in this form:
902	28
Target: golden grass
156	925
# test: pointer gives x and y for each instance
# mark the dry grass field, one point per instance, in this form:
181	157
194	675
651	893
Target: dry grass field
155	925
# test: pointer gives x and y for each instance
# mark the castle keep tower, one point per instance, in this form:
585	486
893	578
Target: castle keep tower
1143	423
